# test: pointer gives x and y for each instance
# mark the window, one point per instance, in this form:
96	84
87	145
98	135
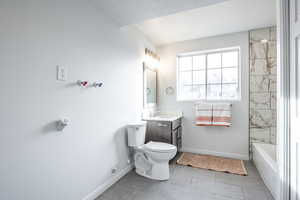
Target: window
210	75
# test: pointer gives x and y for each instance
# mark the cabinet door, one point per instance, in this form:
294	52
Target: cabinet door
174	137
159	132
179	133
179	138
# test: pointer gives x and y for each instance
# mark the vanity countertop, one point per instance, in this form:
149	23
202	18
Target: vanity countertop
164	117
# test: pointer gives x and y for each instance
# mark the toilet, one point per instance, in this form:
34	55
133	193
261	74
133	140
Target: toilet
151	160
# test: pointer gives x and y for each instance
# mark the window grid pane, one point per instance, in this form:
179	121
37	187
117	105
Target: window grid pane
210	76
185	63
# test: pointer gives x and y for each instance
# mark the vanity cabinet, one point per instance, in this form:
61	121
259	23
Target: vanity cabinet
165	131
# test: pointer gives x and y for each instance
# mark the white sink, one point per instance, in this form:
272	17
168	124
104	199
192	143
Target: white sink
164	117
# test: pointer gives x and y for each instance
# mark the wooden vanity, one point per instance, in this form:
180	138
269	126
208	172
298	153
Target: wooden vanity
167	130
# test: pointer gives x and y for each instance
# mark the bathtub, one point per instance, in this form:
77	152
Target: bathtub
264	157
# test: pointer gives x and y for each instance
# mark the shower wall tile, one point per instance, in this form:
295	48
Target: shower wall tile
273	83
260	135
262	118
273	33
260	101
272	53
272	66
274	117
257	50
273	101
273	135
263	66
259	34
258	83
263	84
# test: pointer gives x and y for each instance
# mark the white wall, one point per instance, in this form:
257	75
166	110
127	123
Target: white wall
229	142
37	162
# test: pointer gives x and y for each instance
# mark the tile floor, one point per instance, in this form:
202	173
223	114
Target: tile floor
187	183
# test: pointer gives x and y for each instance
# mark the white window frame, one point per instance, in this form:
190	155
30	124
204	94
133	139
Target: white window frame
206	52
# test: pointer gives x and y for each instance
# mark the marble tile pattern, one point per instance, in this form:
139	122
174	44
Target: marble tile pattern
187	183
263	75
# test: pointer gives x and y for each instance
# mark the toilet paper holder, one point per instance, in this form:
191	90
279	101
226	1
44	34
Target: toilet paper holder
62	123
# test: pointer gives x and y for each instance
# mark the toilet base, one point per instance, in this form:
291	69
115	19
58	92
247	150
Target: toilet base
158	171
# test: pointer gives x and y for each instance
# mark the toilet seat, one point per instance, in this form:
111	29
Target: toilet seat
159	147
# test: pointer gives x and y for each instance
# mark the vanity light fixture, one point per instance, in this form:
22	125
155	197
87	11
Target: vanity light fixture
151	59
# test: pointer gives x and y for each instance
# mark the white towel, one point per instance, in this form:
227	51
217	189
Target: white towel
222	114
203	113
213	114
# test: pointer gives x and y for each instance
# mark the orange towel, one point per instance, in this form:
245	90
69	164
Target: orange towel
217	114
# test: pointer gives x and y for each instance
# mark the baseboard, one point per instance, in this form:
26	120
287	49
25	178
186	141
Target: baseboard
216	153
104	186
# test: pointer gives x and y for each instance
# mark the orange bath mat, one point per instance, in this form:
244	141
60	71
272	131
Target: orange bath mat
215	163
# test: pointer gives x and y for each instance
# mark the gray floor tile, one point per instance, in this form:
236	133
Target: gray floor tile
254	182
253	194
222	197
148	196
228	190
117	192
187	183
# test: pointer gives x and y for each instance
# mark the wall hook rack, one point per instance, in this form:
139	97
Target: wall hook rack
86	84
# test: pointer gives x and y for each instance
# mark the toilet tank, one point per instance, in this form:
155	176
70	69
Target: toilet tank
136	133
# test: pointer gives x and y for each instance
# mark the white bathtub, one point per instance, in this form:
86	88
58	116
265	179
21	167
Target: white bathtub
264	157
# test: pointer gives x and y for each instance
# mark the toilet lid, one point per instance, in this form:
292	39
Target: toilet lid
159	147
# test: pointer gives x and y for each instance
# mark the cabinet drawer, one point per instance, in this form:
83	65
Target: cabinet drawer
159	131
164	131
160	124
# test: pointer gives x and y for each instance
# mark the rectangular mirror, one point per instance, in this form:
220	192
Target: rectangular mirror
150	78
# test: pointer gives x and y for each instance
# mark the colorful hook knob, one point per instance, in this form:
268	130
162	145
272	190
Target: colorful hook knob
82	83
96	84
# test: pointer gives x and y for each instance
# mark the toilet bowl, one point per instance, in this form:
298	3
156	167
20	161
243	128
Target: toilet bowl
151	160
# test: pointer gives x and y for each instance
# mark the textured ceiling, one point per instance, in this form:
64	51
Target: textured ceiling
222	18
126	12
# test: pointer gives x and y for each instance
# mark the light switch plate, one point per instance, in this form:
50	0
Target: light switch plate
61	73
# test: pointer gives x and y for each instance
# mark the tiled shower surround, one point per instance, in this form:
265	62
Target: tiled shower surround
263	85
